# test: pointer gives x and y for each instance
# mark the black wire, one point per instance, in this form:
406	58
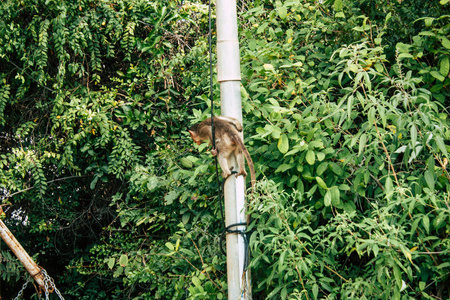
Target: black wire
211	96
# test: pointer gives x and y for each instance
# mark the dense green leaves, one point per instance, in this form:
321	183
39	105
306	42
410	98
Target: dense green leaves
346	117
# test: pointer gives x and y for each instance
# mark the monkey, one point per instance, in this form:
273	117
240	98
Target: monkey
228	142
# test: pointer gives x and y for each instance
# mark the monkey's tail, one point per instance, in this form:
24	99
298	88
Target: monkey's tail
249	161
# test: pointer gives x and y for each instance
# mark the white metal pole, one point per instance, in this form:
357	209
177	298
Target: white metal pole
229	77
22	255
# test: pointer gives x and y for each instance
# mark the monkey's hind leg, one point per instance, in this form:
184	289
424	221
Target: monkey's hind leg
226	171
241	163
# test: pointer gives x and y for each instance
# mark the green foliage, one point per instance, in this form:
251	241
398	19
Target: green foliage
359	141
346	118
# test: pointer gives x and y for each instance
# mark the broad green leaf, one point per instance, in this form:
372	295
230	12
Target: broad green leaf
336	169
327	198
185	162
426	223
375	250
337	5
339	14
362	143
439	220
429	178
335	195
262	27
413	135
441	145
268	67
185	218
321	183
123	261
170	246
281	261
379	67
282	12
398	276
310	157
429	21
315	290
446	43
111	262
283	143
118	272
371	116
284	167
389	187
444	66
320	156
437	75
321	168
196	281
171	196
332	197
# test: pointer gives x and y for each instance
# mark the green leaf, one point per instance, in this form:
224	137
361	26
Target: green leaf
321	183
362	143
283	143
444	66
282	12
426	223
441	145
310	157
315	290
185	218
281	261
321	168
284	167
170	246
337	5
327	198
437	75
196	281
262	27
185	162
389	187
413	136
118	272
336	169
335	195
429	178
332	197
111	262
445	43
371	116
171	196
123	261
398	276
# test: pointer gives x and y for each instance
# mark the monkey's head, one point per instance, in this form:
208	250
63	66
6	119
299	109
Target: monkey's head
195	137
193	131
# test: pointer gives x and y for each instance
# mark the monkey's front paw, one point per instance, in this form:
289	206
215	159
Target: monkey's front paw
226	174
241	172
214	152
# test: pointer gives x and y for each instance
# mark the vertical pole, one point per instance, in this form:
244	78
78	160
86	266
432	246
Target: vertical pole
229	77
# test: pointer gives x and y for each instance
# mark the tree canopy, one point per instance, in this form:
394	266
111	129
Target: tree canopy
345	110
